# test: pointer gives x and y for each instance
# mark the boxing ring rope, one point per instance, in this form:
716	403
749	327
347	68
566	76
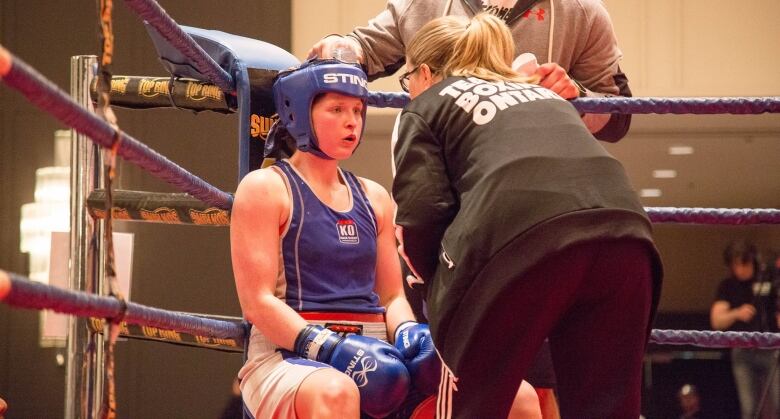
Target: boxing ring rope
155	15
178	208
51	99
632	105
157	207
21	292
135	92
721	216
716	339
635	105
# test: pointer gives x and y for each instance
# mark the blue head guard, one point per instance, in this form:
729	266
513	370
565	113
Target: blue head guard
295	90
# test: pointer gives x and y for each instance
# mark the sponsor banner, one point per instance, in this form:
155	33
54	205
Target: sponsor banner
134	331
169	208
157	92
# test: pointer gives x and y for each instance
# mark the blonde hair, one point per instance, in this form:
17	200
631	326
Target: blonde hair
456	46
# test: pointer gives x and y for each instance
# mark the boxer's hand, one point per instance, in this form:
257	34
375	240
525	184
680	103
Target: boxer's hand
339	47
375	366
414	342
554	77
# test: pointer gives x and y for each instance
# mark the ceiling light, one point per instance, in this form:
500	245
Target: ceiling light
664	174
50	211
650	193
680	150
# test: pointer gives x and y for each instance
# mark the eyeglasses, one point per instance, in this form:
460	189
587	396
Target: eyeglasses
404	79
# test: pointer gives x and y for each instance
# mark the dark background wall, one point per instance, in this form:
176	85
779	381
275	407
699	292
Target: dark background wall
175	267
188	268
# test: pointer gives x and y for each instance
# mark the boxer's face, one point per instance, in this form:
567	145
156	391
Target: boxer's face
337	121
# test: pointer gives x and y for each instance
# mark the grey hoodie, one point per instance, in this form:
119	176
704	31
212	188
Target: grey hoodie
582	38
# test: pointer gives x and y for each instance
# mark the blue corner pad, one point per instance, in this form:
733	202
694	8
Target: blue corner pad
226	49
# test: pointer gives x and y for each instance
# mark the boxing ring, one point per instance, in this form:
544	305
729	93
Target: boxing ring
218	72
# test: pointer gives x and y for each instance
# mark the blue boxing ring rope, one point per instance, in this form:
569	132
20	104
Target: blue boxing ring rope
17	291
25	293
48	97
636	105
152	13
21	292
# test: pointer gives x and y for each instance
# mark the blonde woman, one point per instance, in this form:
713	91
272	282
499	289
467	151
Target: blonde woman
521	227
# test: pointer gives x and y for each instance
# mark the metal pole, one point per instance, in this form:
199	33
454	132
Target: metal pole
84	368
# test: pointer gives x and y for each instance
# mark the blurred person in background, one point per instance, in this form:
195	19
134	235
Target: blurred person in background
746	301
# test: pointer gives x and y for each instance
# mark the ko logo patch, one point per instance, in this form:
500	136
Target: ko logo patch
348	232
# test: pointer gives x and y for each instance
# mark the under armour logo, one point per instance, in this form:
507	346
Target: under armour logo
360	376
539	13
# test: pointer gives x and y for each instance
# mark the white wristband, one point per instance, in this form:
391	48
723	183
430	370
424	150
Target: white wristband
316	343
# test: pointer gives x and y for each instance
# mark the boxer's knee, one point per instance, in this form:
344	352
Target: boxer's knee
526	403
328	393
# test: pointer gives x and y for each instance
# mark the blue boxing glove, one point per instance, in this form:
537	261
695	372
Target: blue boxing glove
375	366
416	345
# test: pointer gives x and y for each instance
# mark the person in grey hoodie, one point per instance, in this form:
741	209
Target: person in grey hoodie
573	39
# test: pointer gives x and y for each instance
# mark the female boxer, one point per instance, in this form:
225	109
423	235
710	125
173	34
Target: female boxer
315	262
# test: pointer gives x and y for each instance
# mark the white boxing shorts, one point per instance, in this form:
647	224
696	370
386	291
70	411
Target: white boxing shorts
270	377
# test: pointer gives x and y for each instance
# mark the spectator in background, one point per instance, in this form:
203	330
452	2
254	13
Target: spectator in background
746	301
690	402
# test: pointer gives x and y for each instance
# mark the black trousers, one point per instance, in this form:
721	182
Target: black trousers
540	374
593	300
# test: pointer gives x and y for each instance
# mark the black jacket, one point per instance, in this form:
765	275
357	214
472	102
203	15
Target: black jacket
480	164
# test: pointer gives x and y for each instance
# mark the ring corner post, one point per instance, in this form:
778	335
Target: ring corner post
84	366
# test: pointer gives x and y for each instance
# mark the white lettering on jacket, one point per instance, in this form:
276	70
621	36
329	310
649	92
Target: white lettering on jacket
485	99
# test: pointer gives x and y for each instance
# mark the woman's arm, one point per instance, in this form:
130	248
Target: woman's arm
723	316
388	268
426	200
259	213
597	68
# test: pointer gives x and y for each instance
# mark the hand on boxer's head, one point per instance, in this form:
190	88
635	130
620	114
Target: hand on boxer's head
343	48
